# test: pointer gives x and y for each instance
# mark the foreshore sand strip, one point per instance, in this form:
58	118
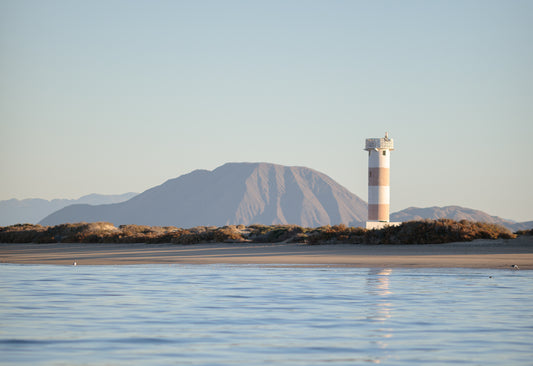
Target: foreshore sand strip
477	254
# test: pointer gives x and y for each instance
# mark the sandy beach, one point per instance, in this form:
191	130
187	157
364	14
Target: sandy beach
476	254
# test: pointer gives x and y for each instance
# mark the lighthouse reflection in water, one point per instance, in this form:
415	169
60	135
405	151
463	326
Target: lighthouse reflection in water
378	286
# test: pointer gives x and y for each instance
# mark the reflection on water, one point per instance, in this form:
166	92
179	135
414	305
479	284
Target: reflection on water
378	281
378	287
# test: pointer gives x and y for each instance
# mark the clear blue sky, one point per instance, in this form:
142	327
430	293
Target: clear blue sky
116	96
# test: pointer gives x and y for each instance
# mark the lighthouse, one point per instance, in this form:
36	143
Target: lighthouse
379	150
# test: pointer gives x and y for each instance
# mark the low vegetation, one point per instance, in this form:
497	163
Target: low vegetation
525	232
413	232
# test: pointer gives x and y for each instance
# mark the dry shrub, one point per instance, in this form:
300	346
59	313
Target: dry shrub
228	234
274	233
413	232
524	232
21	233
441	231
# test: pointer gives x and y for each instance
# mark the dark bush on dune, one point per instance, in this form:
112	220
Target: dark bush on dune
524	232
21	233
439	231
273	233
335	234
413	232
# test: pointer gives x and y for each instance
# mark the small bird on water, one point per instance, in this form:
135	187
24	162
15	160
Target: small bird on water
514	266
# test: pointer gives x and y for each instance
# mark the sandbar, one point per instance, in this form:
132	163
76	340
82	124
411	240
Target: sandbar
497	254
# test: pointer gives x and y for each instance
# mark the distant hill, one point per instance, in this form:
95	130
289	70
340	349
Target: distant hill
456	213
33	210
235	193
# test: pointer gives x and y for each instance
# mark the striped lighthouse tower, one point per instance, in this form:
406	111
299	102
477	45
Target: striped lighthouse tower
379	150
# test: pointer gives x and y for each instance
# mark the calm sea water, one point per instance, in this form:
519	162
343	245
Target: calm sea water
261	315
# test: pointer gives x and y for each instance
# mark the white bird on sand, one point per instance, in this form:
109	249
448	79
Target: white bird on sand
515	266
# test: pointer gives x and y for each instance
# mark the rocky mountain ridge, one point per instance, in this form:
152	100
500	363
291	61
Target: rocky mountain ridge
235	193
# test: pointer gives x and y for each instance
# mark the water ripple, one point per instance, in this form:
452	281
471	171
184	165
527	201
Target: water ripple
258	315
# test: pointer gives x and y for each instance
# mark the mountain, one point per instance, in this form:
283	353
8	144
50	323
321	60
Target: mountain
33	210
456	213
235	193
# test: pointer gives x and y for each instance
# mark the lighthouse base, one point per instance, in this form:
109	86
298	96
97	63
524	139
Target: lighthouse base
376	225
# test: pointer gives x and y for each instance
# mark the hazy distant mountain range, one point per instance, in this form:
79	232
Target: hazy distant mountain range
235	193
32	210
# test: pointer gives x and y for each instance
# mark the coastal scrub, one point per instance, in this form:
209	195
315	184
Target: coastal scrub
412	232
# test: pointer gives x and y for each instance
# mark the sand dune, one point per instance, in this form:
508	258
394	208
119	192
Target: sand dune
476	254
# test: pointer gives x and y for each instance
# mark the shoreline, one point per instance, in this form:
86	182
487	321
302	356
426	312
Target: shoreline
495	254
